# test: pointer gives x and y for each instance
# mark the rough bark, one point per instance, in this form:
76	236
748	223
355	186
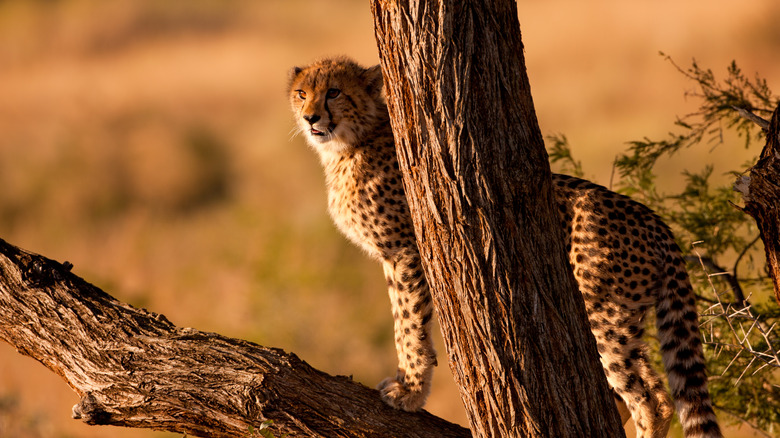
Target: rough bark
479	189
134	368
761	193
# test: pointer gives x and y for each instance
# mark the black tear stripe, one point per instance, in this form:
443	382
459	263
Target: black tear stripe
325	104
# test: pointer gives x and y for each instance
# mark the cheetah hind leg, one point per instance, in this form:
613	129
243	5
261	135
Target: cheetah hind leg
412	312
631	377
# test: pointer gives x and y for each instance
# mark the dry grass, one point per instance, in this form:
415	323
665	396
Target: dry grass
148	143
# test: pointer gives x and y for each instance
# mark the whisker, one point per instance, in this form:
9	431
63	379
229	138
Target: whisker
294	132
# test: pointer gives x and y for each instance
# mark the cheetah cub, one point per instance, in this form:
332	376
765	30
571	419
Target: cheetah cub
623	256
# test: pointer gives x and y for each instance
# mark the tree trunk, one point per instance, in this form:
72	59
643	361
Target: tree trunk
134	368
479	189
761	193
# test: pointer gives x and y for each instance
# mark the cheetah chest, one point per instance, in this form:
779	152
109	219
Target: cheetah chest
369	207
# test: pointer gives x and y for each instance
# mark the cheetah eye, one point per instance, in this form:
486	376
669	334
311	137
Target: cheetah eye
301	94
333	93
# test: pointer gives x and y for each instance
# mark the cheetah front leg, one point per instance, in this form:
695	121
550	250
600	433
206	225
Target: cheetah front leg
412	313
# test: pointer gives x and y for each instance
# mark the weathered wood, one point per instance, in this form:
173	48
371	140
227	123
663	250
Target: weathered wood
761	192
134	368
479	189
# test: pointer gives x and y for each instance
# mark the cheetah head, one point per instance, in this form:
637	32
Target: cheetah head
336	102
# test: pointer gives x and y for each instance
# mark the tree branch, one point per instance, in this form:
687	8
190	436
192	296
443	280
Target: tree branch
709	264
134	368
761	193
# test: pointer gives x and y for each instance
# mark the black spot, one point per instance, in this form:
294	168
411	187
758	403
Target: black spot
681	332
709	427
630	381
695	370
684	354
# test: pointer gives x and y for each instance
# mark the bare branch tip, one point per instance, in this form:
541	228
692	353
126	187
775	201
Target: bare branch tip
744	113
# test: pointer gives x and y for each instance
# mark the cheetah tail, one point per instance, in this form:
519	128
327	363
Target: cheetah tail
681	347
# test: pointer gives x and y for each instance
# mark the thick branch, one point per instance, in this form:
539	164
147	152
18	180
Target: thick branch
134	368
761	192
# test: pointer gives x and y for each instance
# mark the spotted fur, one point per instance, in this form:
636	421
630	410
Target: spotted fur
623	256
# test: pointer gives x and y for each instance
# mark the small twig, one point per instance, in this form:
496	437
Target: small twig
732	361
761	122
731	279
736	382
736	265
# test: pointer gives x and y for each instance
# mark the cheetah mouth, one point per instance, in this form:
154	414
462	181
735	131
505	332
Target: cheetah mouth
317	133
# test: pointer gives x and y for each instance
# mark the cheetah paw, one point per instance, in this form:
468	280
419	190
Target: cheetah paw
399	396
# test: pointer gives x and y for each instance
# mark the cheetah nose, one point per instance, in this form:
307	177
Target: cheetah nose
311	118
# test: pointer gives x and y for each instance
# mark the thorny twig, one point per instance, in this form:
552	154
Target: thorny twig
742	323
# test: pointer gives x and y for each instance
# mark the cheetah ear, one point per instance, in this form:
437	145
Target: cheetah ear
293	73
374	80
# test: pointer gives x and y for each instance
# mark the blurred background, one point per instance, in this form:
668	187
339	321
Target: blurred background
149	143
